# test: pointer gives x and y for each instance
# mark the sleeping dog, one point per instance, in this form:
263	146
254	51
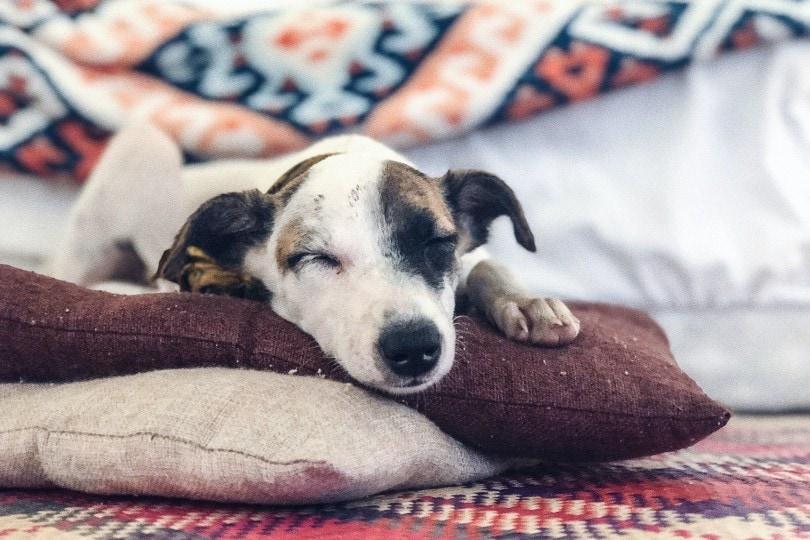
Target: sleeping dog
346	239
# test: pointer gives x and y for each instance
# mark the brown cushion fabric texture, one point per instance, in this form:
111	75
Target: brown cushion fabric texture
615	393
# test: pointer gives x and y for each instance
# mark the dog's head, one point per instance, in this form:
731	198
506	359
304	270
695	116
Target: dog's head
362	254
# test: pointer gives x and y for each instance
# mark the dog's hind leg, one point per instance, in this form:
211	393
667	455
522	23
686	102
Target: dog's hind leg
133	201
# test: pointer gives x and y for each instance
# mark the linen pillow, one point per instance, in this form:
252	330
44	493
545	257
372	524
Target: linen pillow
614	393
225	435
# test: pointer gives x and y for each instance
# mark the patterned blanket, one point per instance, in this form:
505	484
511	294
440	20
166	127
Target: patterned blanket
751	480
73	71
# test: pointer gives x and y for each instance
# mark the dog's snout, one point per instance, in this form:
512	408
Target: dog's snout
411	348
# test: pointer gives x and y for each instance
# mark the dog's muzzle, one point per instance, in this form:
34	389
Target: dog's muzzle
410	348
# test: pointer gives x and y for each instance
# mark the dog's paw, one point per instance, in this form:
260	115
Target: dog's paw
541	321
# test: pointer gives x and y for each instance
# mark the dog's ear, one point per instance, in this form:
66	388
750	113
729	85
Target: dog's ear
208	252
476	198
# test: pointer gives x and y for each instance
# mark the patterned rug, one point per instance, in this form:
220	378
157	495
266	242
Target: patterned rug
750	480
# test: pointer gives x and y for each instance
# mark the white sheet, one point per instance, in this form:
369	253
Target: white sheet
688	197
32	214
752	358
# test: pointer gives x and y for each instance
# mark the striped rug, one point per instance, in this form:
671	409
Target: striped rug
750	480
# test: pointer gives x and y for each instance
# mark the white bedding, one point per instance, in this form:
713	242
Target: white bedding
688	197
32	214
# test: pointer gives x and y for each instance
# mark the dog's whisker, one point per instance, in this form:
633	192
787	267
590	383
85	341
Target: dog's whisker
420	397
468	333
446	379
461	343
334	365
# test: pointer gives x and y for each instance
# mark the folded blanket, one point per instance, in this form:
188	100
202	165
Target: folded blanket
271	81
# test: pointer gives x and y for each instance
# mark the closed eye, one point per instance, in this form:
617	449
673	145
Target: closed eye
303	258
439	250
442	241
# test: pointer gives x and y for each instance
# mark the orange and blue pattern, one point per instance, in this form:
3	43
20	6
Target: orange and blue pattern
74	71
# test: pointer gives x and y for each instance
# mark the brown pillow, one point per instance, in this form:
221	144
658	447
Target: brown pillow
614	393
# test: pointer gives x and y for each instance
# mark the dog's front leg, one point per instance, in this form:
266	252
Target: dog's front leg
492	291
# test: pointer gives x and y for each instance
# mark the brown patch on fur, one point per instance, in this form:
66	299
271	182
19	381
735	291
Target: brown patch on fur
201	274
414	188
289	237
289	182
208	253
417	216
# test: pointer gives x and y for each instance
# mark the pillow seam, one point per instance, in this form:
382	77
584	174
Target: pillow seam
63	330
169	438
576	409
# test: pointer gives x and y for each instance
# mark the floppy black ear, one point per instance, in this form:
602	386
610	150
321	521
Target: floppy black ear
476	198
208	252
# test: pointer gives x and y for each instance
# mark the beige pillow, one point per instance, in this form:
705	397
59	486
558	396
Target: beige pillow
226	435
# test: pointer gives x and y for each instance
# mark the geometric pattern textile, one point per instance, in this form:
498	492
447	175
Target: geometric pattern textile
74	71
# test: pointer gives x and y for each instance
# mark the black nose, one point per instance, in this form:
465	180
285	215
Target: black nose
411	348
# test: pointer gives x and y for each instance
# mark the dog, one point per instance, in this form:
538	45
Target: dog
345	239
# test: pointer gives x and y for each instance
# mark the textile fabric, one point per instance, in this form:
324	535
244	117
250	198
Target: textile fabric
614	393
269	82
751	480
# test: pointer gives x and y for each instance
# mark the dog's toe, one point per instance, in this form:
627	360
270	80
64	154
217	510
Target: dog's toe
541	321
512	322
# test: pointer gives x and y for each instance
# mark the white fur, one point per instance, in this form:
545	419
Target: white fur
345	311
140	193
